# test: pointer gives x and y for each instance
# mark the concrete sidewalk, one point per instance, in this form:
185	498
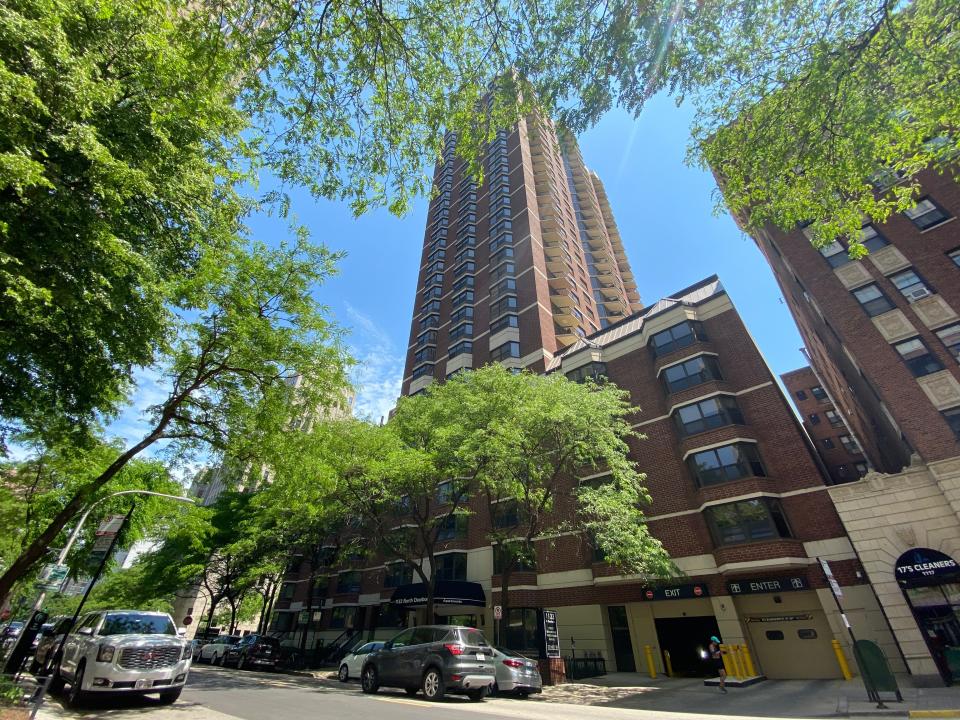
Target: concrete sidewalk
772	698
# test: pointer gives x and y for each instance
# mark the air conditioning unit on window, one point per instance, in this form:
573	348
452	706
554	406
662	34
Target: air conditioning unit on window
918	293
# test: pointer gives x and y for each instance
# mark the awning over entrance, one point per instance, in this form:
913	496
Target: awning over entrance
446	592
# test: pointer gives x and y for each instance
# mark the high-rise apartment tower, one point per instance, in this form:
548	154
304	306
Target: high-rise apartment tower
518	268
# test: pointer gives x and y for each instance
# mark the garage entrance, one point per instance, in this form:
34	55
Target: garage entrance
686	638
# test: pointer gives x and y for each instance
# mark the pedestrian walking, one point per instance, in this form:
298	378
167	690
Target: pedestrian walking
716	657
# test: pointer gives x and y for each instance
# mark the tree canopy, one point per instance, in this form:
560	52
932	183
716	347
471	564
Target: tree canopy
822	112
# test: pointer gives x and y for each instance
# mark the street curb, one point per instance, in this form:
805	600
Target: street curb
935	713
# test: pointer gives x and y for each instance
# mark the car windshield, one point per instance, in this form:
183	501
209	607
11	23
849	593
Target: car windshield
137	624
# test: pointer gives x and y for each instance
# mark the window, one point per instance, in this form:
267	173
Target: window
427	338
465	282
452	527
348	582
507	350
850	444
464	347
506	270
807	634
801	395
519	556
428	353
955	256
952	416
501	255
462	314
397	574
451	566
692	372
722	464
464	330
926	214
431	321
676	337
343	617
504	286
436	267
747	521
436	279
917	357
422	370
468	254
871	239
501	242
506	515
828	443
861	468
445	492
835	254
950	337
507	321
872	300
814	419
467	267
465	297
433	292
819	393
321	586
429	307
833	417
774	634
707	414
910	285
590	371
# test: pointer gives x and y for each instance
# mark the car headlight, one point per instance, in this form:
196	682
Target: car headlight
187	652
105	654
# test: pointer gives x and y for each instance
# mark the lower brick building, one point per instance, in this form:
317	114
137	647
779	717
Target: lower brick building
739	500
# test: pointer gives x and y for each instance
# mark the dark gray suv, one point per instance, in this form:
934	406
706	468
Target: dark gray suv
437	659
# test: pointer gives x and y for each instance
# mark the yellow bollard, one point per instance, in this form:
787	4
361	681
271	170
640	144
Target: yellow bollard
841	660
748	660
727	661
667	661
648	649
738	661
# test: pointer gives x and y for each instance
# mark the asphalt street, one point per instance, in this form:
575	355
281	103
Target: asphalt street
227	694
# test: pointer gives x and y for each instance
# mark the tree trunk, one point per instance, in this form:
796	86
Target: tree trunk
306	628
273	598
214	601
233	616
505	605
261	627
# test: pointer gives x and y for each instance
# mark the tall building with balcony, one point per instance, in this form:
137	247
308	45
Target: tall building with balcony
883	336
518	268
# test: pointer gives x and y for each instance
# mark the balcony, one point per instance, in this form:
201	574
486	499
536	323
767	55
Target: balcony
563	317
562	298
561	281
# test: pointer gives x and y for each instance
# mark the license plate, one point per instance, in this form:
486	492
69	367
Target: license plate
140	684
481	656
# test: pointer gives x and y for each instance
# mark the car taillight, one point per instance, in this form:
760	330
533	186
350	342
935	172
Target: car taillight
454	648
510	662
105	654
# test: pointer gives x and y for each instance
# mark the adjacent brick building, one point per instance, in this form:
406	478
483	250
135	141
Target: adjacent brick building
883	336
840	453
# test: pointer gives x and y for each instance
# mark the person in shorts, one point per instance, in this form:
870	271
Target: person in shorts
715	655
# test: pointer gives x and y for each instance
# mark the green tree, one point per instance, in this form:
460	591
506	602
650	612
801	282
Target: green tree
249	327
556	460
820	111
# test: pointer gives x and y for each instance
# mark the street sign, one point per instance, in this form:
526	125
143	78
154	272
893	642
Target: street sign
551	634
498	612
110	525
52	576
187	621
834	585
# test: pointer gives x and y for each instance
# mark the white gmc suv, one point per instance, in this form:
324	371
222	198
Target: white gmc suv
124	651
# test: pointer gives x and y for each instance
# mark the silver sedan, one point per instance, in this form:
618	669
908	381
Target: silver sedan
516	673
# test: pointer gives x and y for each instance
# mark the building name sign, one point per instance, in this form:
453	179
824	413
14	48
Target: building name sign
921	565
551	634
675	592
768	585
778	618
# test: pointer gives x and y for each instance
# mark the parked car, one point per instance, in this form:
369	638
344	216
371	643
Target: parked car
436	659
49	640
214	651
9	634
124	652
516	673
253	651
351	665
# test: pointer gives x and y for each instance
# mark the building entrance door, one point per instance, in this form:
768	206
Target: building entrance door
622	646
686	639
931	583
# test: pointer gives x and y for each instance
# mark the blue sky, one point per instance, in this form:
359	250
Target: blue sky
664	210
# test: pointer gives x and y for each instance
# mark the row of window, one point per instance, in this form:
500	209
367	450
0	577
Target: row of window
849	444
818	392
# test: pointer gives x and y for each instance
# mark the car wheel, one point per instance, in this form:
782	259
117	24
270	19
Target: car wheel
216	660
56	681
169	697
411	691
433	688
523	693
344	673
477	695
76	696
241	662
369	682
494	689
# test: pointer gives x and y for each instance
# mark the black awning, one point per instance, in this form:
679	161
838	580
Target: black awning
446	592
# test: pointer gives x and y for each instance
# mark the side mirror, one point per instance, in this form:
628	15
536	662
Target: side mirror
85	631
388	645
181	631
